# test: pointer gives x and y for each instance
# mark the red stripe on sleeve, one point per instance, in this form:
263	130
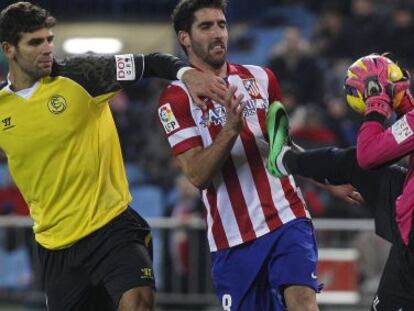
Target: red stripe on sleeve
187	145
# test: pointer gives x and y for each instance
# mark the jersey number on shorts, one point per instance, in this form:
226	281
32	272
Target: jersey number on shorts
226	302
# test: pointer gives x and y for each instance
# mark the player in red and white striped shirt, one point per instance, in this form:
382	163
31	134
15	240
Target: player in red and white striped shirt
259	230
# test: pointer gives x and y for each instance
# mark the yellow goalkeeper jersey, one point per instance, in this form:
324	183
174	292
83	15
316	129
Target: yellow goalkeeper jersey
63	149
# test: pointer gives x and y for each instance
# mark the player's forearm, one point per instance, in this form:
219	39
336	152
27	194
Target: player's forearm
204	165
161	65
377	145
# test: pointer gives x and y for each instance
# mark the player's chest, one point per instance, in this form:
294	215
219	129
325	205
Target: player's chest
255	100
47	118
256	104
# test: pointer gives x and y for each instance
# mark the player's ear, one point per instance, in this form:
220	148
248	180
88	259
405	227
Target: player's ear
184	38
8	49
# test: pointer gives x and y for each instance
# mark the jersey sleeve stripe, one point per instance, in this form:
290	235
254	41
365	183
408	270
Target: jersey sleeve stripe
182	135
187	144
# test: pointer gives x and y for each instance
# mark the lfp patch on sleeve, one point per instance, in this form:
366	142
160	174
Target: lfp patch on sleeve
401	130
125	67
167	118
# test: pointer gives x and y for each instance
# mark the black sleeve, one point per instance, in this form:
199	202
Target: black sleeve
101	74
163	66
379	187
339	166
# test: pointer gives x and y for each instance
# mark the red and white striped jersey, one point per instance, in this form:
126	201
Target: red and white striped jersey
243	201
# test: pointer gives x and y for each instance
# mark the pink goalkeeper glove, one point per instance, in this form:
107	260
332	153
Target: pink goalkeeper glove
403	100
372	82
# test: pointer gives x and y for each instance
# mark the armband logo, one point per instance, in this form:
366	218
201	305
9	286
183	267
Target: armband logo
125	67
167	118
401	130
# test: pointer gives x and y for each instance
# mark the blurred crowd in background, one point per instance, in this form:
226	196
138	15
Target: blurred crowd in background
308	45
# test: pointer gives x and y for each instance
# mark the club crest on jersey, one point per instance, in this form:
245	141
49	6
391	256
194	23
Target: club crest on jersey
252	87
57	104
167	118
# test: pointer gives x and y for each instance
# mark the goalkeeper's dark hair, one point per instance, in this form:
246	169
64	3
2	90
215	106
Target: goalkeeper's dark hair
183	14
22	17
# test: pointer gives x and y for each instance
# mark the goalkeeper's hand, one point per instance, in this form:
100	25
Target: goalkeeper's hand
373	83
402	100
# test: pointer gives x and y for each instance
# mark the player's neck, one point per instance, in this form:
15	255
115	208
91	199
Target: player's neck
221	72
20	80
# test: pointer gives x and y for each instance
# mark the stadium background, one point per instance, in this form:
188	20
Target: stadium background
308	44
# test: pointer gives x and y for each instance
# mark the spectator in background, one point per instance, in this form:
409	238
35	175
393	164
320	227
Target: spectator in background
290	98
363	28
400	28
341	121
295	66
11	200
330	40
308	128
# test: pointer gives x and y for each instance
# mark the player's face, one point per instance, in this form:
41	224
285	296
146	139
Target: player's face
207	41
33	54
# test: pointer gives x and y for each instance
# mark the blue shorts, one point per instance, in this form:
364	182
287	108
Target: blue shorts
252	276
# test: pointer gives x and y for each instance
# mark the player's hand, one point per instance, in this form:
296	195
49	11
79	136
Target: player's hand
234	108
202	84
346	193
402	98
372	81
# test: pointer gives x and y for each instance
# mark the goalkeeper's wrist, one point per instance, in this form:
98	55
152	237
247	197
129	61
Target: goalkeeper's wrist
375	116
380	104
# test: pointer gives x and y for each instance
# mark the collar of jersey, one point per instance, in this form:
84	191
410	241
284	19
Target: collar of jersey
25	93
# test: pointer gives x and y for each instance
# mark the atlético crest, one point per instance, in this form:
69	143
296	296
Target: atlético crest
252	87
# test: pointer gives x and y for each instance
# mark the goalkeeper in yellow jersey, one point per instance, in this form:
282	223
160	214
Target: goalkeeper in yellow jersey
64	155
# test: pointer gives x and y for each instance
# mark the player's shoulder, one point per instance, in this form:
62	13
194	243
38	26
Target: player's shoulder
176	93
260	70
254	70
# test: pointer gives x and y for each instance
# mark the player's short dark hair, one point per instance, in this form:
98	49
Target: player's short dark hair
183	14
22	17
